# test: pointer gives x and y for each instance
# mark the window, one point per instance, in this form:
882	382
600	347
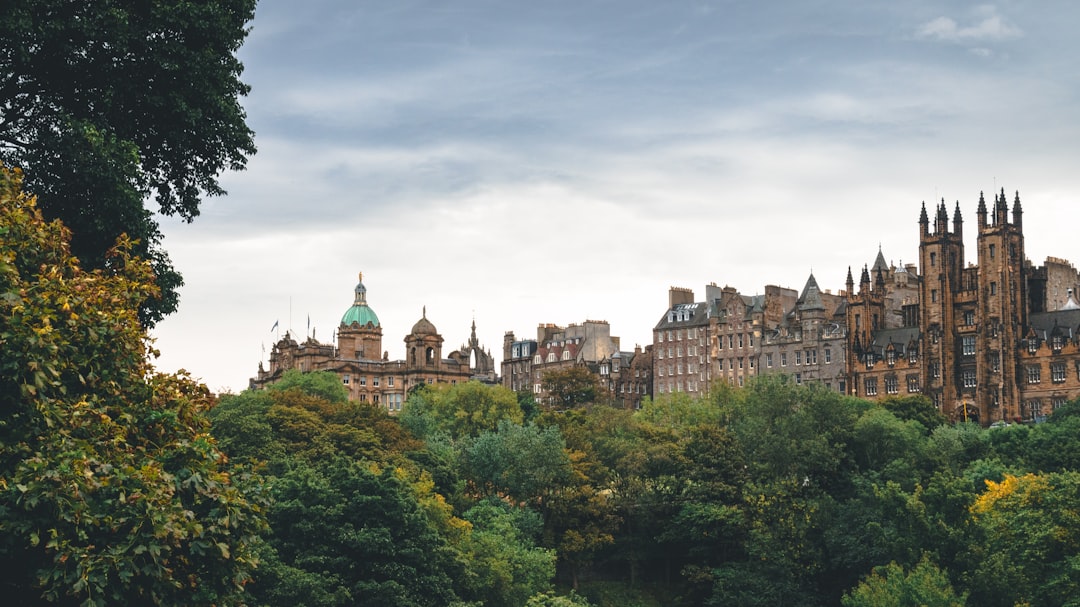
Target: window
1034	409
430	381
828	356
968	377
750	338
604	370
390	382
1057	372
660	354
912	384
969	318
783	359
811	357
798	379
993	249
890	357
551	357
1057	342
1033	345
679	334
892	385
362	379
935	370
968	345
995	362
669	352
993	288
537	360
869	360
740	362
798	357
678	351
913	356
536	389
659	337
871	386
933	295
660	372
740	340
679	368
345	379
375	381
566	355
1034	374
933	259
1057	402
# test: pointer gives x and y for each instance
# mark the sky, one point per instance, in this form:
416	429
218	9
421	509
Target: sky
520	163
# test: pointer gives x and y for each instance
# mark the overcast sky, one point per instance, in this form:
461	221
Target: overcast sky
557	161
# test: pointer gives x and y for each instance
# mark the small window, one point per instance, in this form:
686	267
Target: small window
969	379
783	359
1057	372
912	384
892	385
1034	374
870	385
993	288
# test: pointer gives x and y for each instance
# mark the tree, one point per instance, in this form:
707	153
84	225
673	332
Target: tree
95	145
459	410
525	463
569	388
111	489
925	585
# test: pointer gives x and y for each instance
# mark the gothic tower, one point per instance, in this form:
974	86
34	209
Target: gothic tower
941	263
1002	309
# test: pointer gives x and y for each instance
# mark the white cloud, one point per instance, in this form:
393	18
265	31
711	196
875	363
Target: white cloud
991	27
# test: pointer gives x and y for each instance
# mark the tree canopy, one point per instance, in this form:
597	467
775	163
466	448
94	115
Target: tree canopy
104	104
111	489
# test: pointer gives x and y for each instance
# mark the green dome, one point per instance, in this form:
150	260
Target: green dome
360	312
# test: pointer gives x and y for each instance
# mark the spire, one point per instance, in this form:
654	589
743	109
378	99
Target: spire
1017	211
864	280
1000	209
924	221
879	281
851	281
957	220
941	219
811	295
880	264
982	211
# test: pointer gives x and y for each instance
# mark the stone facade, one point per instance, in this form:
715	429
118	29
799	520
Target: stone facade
365	368
555	348
810	341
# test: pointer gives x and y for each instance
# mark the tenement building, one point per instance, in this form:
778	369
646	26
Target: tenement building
809	342
557	348
365	368
994	340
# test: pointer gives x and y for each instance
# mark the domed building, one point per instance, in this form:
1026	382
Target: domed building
365	368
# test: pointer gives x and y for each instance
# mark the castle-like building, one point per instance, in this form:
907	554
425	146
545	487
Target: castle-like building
994	340
365	368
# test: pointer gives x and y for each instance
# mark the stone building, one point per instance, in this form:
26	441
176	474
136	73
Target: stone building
365	368
994	340
577	345
809	343
681	344
627	377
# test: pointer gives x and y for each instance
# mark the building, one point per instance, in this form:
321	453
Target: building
555	348
365	368
681	342
994	340
810	342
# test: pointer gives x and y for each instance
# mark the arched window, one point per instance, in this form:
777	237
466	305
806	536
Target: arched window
430	356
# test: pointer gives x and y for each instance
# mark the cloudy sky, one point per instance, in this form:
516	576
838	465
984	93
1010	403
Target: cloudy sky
557	161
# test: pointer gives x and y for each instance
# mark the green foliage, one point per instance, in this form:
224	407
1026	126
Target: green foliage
94	146
459	410
524	463
550	599
508	567
925	585
111	490
320	384
916	408
570	387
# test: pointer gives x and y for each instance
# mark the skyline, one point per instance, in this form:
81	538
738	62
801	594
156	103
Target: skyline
533	164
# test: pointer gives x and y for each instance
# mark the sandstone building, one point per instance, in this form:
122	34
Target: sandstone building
364	367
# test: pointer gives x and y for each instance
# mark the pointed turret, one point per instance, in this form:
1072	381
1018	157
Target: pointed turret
982	211
924	222
864	280
810	299
879	281
851	281
1017	211
880	265
941	220
1001	210
957	221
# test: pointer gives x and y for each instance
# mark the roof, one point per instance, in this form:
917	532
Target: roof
899	338
360	313
1064	321
685	315
424	326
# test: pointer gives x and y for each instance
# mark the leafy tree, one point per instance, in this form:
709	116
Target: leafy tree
1029	546
507	566
459	410
111	490
917	408
525	463
925	585
571	387
94	145
321	384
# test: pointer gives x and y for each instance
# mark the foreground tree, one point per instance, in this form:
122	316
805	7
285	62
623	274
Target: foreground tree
105	103
111	490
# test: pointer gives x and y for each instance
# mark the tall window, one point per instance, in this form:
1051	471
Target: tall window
783	359
912	383
1034	374
1057	372
968	345
798	357
768	360
968	377
892	385
871	386
828	356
